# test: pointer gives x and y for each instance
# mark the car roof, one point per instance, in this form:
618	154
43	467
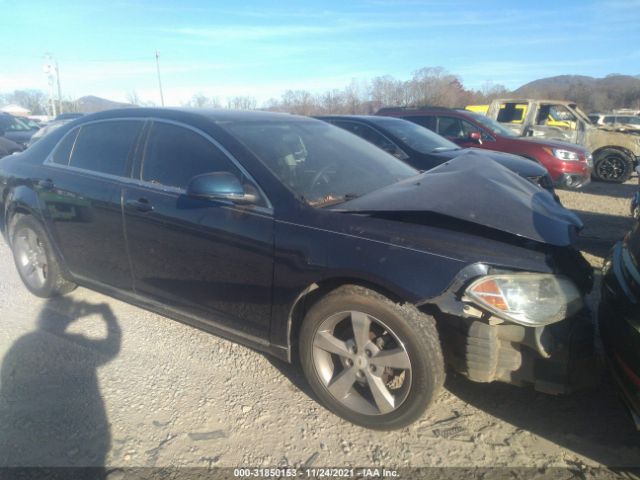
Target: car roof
374	119
179	113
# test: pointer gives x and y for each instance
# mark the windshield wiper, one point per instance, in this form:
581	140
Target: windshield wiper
331	200
443	149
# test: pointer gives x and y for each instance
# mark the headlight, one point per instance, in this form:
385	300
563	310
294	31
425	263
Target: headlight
590	160
529	299
565	155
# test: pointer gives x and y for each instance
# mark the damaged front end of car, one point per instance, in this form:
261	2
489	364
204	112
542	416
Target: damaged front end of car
503	318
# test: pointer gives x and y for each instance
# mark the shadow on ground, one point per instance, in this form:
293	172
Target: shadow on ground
616	190
593	423
601	231
51	409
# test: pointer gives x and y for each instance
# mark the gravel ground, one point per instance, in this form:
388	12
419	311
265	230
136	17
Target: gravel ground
88	380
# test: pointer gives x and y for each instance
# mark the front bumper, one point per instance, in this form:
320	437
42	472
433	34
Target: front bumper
557	359
619	320
573	180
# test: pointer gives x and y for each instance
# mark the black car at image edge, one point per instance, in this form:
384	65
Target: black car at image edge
299	239
619	317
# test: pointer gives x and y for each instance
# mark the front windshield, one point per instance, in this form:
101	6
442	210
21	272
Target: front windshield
321	163
419	138
492	125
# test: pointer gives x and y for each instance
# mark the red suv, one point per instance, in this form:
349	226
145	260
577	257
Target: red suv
568	164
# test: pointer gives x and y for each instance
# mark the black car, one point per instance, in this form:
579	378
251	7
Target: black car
7	147
619	317
423	149
68	116
15	129
297	238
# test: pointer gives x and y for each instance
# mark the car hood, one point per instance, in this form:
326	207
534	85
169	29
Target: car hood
520	165
480	191
546	142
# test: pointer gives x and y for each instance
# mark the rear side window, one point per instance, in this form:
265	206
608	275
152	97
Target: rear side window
174	155
367	133
609	119
105	147
63	150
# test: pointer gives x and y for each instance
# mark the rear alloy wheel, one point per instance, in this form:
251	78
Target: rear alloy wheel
613	166
37	265
369	360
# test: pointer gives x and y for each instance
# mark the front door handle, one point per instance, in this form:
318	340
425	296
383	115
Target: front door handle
141	205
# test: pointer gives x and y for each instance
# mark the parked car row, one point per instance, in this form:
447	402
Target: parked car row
615	153
568	164
300	239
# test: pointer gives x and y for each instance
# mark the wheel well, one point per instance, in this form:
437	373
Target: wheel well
16	215
315	292
622	150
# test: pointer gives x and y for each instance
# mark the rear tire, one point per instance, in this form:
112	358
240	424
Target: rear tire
36	261
613	166
369	360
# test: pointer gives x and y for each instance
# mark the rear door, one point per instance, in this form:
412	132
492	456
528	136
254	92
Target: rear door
208	259
81	194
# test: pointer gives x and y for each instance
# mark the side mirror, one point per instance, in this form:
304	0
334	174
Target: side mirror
219	186
475	137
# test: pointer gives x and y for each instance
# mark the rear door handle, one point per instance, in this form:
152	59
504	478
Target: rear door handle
141	205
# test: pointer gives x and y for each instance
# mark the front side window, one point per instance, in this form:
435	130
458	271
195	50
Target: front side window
105	147
174	155
450	127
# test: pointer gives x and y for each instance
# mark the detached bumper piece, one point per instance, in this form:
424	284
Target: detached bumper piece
556	359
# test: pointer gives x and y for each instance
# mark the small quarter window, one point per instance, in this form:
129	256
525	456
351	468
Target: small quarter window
63	150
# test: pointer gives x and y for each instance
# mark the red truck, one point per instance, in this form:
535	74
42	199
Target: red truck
569	165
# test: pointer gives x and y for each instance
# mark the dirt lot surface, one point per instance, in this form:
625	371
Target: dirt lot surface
88	380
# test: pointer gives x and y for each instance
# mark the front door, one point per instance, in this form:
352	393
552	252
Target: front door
204	258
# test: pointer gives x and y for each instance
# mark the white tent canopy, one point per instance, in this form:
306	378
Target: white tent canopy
14	109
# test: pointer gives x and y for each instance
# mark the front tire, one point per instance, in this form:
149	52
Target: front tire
369	360
612	166
36	261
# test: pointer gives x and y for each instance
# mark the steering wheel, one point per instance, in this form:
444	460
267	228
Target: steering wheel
316	178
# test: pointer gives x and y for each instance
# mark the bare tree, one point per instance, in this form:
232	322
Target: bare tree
242	103
200	100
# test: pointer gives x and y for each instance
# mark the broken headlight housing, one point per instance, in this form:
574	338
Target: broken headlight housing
530	299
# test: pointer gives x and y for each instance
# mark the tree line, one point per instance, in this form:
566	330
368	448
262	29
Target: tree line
432	86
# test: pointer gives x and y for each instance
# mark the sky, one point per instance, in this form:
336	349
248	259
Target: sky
261	48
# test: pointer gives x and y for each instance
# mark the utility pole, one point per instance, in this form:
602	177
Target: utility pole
48	70
159	81
59	89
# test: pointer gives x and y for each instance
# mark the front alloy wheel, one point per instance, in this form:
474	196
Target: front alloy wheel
369	360
362	363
